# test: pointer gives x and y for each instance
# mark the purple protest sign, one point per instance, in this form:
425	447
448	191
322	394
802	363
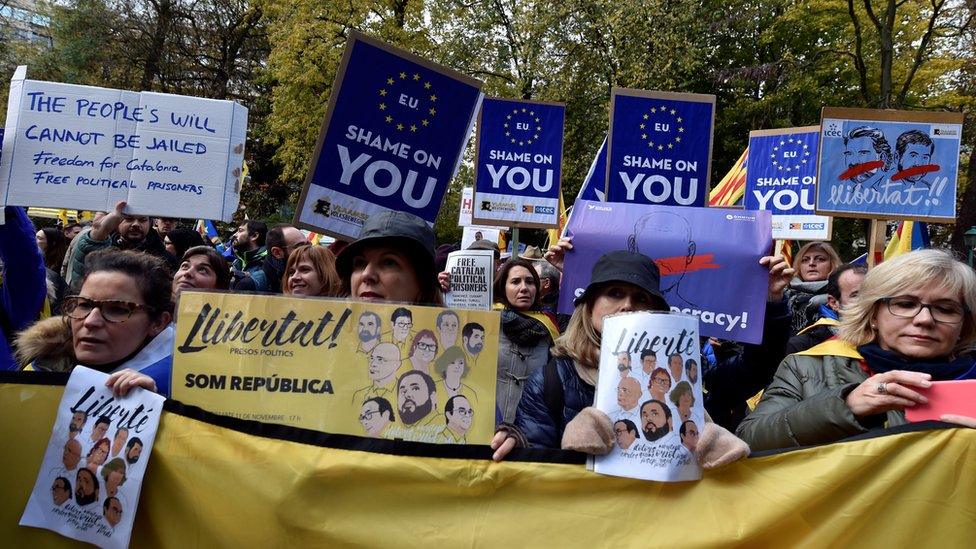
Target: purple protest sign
708	257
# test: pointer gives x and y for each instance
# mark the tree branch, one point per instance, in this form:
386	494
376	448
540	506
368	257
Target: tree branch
937	6
858	54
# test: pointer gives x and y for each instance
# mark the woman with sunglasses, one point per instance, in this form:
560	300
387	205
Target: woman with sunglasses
911	325
118	323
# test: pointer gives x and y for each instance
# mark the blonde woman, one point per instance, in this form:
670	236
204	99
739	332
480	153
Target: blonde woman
808	290
910	325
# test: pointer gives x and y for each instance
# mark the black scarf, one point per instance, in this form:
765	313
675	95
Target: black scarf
521	329
941	369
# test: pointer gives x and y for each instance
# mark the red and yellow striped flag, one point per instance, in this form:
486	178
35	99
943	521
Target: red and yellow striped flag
732	187
910	235
785	249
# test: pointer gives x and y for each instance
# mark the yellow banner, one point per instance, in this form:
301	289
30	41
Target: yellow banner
219	486
348	367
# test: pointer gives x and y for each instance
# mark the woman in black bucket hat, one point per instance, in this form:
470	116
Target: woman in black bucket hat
564	417
392	260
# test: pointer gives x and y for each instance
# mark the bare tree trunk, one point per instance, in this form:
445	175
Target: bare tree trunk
154	52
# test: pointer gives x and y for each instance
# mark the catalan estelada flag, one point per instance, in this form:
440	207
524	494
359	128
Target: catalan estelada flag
207	230
732	187
910	235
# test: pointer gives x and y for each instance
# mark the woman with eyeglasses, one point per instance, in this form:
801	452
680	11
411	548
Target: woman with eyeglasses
911	325
423	349
97	455
118	323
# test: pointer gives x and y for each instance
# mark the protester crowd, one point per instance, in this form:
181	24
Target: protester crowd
844	349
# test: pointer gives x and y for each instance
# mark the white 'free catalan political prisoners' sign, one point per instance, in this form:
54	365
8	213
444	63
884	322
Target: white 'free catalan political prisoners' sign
86	148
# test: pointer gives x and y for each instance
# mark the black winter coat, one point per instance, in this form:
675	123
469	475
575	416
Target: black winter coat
737	378
533	418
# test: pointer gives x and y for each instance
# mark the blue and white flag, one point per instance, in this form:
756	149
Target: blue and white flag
594	187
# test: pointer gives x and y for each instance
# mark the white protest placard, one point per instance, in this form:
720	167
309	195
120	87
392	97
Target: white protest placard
650	385
467	207
89	483
472	273
474	233
85	147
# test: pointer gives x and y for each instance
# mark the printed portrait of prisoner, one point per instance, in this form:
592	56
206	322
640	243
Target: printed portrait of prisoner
60	491
381	366
473	340
368	331
648	362
100	428
402	320
659	384
689	435
625	432
683	399
675	366
98	454
868	157
458	415
112	511
113	473
452	368
133	449
623	363
416	398
77	423
628	394
655	420
913	150
423	350
71	455
118	441
375	416
447	328
86	487
691	370
666	226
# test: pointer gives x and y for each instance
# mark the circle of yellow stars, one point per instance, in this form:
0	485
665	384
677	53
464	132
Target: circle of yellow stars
402	124
534	120
657	112
787	143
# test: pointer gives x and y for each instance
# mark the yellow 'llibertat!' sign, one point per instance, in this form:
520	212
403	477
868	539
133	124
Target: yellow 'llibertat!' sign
380	370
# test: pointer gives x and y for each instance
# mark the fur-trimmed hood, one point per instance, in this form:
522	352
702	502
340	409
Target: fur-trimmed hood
47	345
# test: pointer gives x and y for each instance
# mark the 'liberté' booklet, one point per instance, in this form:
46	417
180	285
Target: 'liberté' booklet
89	483
650	386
